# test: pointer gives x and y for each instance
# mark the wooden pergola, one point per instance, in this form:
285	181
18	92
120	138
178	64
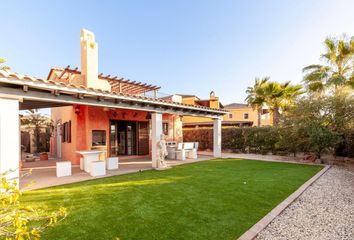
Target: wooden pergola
118	84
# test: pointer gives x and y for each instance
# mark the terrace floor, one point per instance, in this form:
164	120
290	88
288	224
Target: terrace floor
43	173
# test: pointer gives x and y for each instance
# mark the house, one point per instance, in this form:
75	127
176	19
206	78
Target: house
238	115
191	121
244	115
92	110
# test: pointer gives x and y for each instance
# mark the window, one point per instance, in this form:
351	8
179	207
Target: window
231	115
245	115
98	137
66	132
165	128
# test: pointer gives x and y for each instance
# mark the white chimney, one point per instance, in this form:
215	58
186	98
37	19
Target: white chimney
89	62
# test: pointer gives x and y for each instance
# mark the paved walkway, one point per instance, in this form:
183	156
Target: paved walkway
324	211
44	172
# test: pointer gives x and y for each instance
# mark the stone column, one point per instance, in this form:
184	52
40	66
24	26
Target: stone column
9	138
217	137
156	128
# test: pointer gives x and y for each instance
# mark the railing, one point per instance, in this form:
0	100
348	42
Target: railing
158	95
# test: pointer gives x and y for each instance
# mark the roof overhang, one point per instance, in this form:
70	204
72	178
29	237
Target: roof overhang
50	93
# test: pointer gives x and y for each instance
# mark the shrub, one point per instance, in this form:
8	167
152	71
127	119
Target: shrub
233	140
281	140
22	222
203	136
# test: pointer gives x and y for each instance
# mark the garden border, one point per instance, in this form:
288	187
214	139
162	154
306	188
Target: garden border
267	219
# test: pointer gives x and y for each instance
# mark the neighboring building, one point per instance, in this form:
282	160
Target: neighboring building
244	115
193	122
239	114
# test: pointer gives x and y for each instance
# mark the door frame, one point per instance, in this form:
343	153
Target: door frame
113	121
58	140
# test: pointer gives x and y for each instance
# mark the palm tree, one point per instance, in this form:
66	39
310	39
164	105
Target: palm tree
337	71
255	96
3	67
280	96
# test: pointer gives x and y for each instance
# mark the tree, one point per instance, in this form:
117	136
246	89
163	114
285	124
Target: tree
322	138
3	67
22	222
38	122
280	96
338	70
255	97
317	124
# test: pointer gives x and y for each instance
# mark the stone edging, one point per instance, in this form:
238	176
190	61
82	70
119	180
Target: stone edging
263	223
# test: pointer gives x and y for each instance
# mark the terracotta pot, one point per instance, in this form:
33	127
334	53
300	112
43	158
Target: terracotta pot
43	156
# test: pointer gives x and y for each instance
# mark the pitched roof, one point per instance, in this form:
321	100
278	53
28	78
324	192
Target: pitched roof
236	105
187	95
12	81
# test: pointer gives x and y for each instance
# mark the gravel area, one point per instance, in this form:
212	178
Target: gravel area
324	211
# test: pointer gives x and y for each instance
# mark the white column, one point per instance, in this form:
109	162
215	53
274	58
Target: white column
9	138
217	137
156	127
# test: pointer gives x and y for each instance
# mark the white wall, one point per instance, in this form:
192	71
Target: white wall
217	137
156	131
9	137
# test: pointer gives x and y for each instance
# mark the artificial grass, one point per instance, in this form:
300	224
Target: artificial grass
216	199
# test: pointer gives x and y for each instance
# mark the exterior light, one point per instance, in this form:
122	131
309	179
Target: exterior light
77	110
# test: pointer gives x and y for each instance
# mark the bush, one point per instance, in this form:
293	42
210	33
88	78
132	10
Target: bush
261	140
232	139
281	140
346	146
203	136
255	140
19	221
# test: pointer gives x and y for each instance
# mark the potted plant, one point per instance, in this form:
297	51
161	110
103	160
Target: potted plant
43	156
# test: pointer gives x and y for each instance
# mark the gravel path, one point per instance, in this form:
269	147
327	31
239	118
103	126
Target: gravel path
324	211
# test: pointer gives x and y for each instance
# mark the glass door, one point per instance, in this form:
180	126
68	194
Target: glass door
131	138
122	141
113	141
123	137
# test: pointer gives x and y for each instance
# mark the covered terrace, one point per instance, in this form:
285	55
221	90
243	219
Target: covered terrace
21	92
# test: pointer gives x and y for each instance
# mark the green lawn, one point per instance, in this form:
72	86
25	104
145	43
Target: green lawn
216	199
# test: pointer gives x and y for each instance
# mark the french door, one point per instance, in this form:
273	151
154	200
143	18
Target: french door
128	138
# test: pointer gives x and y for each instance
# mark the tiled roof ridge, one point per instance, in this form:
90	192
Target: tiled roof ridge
7	74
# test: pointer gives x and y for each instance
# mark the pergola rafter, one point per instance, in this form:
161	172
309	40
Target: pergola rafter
118	84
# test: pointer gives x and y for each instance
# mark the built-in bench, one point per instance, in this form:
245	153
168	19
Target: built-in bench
186	150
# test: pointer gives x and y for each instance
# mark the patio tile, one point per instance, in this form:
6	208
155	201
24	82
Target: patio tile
44	172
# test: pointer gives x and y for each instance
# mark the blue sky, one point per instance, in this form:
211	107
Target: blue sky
185	46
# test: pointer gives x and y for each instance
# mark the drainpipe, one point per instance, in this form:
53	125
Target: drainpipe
174	128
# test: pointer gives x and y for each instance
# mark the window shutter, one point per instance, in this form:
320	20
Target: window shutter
69	132
62	129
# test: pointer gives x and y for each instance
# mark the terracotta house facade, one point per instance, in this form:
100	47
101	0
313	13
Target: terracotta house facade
120	132
91	110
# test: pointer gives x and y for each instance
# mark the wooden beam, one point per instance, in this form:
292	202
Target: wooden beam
71	100
56	92
80	96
